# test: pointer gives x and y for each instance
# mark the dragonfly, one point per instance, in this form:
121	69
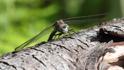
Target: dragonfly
61	27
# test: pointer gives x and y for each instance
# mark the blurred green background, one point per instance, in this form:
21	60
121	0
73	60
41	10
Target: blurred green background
20	20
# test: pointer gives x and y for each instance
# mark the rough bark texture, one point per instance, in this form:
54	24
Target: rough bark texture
82	51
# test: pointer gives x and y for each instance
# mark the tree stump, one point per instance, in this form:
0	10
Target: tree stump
97	48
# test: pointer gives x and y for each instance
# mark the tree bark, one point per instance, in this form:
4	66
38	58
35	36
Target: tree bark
85	50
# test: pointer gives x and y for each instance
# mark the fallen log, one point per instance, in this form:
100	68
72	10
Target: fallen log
97	48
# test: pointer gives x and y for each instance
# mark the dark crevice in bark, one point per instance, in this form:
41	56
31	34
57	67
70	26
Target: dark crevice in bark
83	42
38	50
39	60
74	63
61	46
118	28
81	47
23	68
6	63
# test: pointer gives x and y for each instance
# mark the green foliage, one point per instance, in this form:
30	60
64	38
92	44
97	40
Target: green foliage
20	20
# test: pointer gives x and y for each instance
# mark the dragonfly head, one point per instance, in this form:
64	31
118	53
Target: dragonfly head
61	26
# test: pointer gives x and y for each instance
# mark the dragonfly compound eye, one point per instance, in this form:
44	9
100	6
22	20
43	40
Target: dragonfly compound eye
65	28
61	26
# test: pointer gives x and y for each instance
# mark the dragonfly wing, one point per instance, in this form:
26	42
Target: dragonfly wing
84	21
35	38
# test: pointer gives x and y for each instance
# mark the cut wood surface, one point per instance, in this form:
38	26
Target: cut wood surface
89	49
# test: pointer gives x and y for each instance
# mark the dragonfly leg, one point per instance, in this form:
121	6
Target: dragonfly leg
69	33
51	37
60	34
57	35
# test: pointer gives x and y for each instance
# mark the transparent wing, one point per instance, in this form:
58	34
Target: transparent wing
84	18
84	21
35	38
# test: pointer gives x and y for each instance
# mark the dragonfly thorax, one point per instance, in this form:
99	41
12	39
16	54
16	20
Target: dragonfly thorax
61	26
